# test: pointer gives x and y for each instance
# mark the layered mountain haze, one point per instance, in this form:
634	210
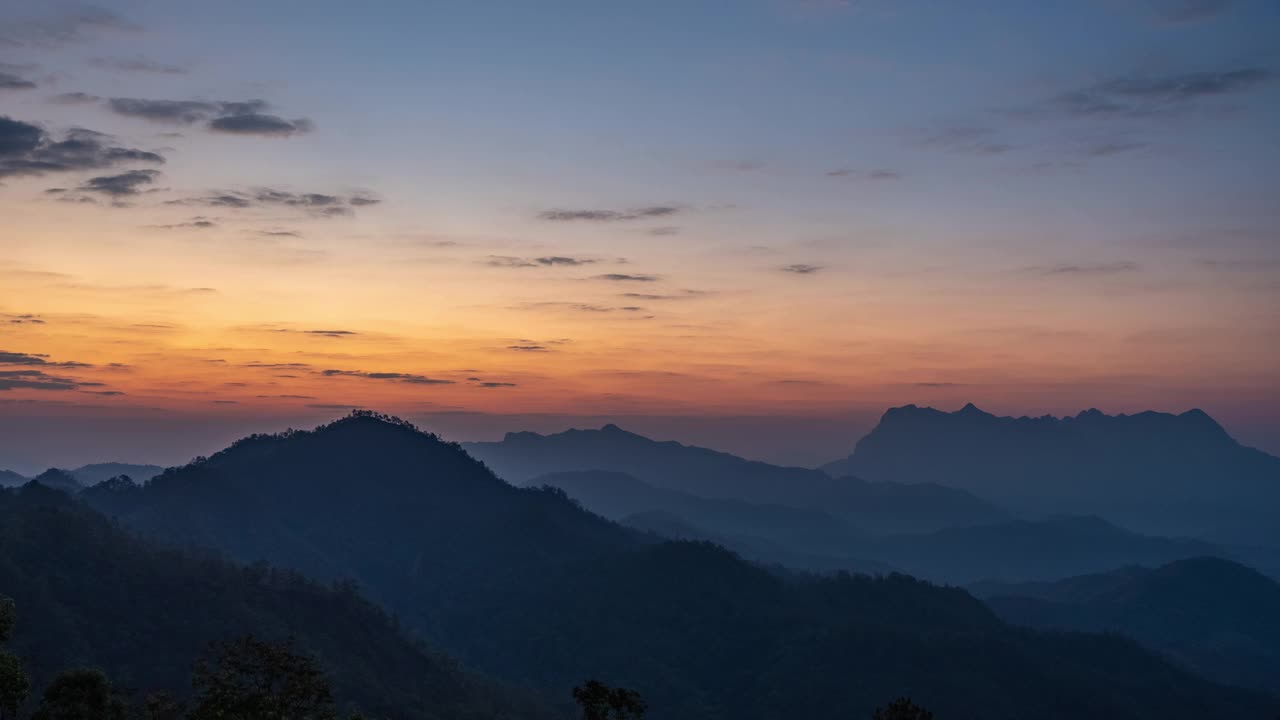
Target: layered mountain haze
525	585
1179	475
870	506
1214	616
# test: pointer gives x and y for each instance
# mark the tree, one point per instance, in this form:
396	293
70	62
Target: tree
601	702
80	695
14	684
249	679
902	709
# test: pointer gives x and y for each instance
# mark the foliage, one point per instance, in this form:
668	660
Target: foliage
902	709
249	679
14	684
601	702
81	695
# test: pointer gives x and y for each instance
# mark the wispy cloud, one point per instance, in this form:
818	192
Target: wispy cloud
138	64
625	277
26	149
242	117
409	378
1104	268
801	268
642	213
1149	95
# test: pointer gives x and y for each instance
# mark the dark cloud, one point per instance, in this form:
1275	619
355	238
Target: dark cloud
24	319
21	358
280	233
74	98
1107	268
528	348
104	393
26	149
316	204
879	174
1107	149
195	223
1143	96
495	384
548	261
938	384
10	81
246	117
967	140
138	64
801	268
656	211
122	185
39	380
1190	11
259	124
409	378
69	25
623	277
289	397
683	295
664	231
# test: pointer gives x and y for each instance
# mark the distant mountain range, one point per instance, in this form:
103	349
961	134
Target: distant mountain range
526	586
1217	617
1179	475
814	540
870	506
85	475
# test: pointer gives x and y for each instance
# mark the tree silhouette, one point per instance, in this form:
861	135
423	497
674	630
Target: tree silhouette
601	702
14	684
80	695
902	709
249	679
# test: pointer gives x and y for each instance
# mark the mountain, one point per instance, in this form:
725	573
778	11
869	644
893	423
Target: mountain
875	507
1179	475
530	588
9	478
90	595
95	473
1030	550
58	480
773	534
1220	618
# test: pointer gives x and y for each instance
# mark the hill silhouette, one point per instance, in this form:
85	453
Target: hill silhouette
1215	616
875	507
1179	475
527	586
90	595
94	473
9	478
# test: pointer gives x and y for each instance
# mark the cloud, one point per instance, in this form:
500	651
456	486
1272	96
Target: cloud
496	384
964	139
1144	96
879	174
104	393
1179	12
259	124
121	185
508	261
74	24
664	231
938	384
623	277
801	268
39	380
316	204
683	295
24	319
21	358
409	378
10	81
1107	149
244	117
1108	268
196	223
138	64
74	98
26	149
643	213
529	348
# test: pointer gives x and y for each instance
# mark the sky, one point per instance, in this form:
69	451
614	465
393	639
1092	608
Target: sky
753	225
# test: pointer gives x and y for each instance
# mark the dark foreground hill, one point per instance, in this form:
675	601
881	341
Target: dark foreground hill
870	506
527	586
1215	616
90	595
1176	475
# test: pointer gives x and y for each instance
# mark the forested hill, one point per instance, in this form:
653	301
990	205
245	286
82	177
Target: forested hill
89	594
525	585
